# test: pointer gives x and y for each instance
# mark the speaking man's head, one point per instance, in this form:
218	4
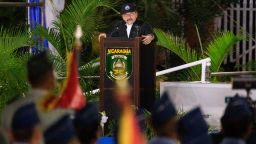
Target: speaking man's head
129	13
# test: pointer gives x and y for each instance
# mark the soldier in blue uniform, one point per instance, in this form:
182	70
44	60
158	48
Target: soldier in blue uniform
193	129
87	124
164	121
25	126
61	132
237	122
131	27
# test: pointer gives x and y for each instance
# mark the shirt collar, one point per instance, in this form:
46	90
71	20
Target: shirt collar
129	25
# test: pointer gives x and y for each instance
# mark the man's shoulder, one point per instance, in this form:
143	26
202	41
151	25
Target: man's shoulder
141	23
119	23
8	112
18	103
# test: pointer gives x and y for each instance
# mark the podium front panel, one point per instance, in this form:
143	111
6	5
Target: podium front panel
119	60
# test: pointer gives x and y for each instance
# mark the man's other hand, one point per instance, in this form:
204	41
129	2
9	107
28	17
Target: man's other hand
147	39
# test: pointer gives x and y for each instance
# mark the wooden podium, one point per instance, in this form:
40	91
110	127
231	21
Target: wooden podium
119	59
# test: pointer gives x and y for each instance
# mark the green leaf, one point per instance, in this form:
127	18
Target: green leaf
84	13
181	49
220	47
13	82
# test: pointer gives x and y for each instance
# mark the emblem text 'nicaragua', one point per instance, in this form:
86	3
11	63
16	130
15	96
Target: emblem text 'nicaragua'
119	51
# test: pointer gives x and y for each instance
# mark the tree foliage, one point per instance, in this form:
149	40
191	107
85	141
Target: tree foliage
217	50
12	66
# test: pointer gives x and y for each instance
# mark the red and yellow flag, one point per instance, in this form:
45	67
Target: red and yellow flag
47	103
72	95
129	130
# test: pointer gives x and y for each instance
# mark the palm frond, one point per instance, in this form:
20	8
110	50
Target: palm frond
50	34
13	39
13	83
176	45
84	13
180	48
53	36
90	69
59	64
219	48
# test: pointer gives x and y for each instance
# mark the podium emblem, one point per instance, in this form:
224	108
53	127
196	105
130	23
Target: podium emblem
118	63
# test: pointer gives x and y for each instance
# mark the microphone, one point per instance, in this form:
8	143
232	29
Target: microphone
115	30
137	27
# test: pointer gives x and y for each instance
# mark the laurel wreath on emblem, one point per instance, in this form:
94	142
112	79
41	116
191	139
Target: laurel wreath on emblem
119	70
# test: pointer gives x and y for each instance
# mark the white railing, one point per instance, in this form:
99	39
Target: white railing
92	92
204	62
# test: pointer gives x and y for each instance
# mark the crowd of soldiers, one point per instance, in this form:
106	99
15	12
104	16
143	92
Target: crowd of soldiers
25	120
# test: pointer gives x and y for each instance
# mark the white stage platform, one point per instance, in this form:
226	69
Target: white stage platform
210	97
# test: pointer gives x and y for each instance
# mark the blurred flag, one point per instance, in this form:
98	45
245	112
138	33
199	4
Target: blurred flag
122	92
72	95
47	103
129	129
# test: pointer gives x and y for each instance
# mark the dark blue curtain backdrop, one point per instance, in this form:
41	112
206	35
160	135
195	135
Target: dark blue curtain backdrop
35	17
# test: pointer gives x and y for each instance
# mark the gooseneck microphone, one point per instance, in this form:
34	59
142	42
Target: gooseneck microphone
114	31
137	27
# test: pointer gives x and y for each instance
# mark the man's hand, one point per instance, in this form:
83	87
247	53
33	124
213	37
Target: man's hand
147	39
102	35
